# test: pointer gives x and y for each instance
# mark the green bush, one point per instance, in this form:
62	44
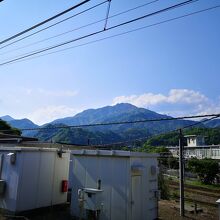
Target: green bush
206	169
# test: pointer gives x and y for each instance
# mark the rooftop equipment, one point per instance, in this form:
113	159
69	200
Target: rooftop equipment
114	185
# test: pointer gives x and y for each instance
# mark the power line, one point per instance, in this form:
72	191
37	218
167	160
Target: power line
44	22
75	29
50	26
168	132
98	32
200	122
123	33
123	122
107	14
154	13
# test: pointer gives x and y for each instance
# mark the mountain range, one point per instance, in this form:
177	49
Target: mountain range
104	134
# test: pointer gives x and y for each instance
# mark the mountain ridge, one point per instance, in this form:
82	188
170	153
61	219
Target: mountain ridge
104	134
6	118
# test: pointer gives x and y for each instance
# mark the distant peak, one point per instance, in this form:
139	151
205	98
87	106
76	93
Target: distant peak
7	118
125	105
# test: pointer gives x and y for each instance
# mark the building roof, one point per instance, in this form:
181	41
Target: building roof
9	138
191	135
116	153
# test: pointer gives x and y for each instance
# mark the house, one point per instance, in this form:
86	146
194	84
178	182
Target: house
196	148
195	140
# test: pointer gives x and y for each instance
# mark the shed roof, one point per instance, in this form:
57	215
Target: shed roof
6	138
193	135
32	149
116	153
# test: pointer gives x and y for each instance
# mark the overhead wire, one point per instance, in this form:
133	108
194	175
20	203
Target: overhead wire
107	14
43	22
164	133
121	122
78	28
213	116
123	33
154	13
100	31
147	137
52	25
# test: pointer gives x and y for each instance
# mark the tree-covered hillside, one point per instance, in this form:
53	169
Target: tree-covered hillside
109	134
212	136
84	136
7	129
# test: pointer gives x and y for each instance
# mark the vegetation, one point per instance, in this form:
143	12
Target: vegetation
118	132
206	169
212	136
7	129
202	185
170	139
81	136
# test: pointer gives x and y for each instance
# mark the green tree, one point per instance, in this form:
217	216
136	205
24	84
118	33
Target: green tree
173	163
7	129
206	169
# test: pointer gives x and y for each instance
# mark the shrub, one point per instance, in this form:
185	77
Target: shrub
206	169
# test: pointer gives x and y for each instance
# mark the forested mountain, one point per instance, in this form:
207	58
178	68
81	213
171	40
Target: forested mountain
213	124
122	112
110	133
23	124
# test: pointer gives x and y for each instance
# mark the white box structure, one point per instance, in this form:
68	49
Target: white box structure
114	185
32	178
218	202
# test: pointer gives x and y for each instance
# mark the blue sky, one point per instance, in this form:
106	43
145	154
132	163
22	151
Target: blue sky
171	68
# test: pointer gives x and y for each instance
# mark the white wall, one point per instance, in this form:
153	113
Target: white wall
34	181
116	177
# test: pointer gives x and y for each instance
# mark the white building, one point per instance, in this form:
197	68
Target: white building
195	140
197	148
114	185
32	174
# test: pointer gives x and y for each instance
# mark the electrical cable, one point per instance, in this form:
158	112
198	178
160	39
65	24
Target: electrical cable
75	29
50	26
154	13
44	22
147	137
214	116
121	122
107	14
98	32
123	33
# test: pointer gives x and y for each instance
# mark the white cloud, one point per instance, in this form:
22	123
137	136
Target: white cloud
181	96
176	102
50	113
211	109
141	100
185	96
38	104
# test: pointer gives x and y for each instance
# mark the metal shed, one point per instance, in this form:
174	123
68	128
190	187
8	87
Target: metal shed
32	178
114	185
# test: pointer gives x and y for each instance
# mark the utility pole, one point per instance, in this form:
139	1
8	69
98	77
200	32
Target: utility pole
181	176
